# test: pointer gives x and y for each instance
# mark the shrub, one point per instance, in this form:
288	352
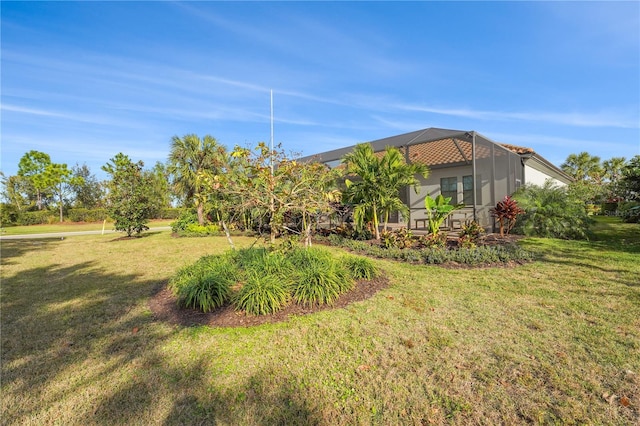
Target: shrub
506	211
438	240
86	215
470	234
401	238
361	267
551	213
186	218
206	284
262	294
36	218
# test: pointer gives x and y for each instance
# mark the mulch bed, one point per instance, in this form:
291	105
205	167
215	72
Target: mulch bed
165	308
164	305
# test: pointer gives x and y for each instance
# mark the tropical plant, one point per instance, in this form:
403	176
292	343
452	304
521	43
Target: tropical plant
128	202
401	238
551	212
506	211
438	209
190	158
583	166
374	189
470	234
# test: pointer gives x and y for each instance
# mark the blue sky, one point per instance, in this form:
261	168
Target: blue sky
84	81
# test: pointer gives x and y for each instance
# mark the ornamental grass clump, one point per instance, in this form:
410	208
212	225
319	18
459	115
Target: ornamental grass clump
262	294
361	267
205	285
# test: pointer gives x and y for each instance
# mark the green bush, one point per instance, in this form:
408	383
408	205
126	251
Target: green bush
86	215
361	267
205	285
318	284
551	213
37	218
262	294
186	218
9	215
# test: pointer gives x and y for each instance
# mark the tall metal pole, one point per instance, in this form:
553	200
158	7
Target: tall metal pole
272	132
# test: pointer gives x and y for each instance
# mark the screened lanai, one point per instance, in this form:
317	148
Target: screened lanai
464	165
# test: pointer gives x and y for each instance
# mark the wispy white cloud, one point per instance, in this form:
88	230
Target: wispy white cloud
626	120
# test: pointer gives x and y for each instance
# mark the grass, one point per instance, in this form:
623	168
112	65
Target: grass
553	341
70	227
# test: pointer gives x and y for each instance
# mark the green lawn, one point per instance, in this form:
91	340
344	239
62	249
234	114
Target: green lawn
70	227
554	341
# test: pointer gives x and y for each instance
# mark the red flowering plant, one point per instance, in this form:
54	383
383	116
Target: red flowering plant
506	211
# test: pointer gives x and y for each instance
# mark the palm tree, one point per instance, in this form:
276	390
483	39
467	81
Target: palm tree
583	167
613	168
189	159
377	182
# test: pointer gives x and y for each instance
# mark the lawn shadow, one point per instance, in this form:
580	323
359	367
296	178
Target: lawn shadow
266	398
53	318
11	249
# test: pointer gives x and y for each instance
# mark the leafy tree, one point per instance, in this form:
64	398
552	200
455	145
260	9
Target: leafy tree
376	184
15	190
270	182
33	166
128	201
61	181
550	212
160	193
630	180
86	188
191	156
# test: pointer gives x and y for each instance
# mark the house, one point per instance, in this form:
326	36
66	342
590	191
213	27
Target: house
454	158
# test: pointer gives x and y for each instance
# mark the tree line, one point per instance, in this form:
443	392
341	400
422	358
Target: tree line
260	187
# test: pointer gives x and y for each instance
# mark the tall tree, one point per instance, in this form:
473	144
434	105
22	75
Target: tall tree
377	181
583	166
128	200
189	157
613	172
61	181
86	188
33	166
160	193
630	181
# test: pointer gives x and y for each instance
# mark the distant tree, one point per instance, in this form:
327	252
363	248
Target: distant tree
61	181
583	167
128	201
612	173
15	190
86	188
189	157
160	192
33	166
630	180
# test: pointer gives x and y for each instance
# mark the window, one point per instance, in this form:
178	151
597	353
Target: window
467	190
449	188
